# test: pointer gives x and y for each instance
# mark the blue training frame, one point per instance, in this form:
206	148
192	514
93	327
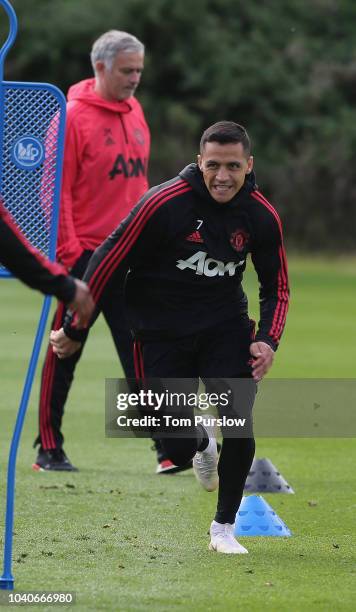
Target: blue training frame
7	579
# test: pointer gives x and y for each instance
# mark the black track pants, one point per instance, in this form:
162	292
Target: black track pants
220	357
58	374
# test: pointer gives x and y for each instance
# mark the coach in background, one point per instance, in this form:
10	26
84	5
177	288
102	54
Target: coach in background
181	254
20	258
105	172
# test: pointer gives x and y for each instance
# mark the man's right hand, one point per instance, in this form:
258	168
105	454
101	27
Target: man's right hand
263	356
63	346
82	304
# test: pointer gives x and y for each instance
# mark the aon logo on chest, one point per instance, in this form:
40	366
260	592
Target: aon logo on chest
204	265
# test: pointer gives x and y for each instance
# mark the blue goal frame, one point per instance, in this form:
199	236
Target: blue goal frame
32	124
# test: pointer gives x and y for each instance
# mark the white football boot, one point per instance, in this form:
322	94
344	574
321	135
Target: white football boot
205	463
223	539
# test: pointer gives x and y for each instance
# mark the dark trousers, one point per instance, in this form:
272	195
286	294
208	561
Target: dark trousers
58	374
221	358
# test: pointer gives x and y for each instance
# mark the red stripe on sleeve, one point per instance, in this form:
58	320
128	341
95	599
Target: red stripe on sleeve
281	310
99	271
52	267
115	256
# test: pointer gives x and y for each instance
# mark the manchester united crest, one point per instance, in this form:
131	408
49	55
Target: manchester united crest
239	239
139	136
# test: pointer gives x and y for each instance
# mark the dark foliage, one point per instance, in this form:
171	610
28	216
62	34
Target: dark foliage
284	68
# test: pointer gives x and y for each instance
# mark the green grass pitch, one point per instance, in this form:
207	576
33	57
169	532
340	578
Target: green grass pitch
125	539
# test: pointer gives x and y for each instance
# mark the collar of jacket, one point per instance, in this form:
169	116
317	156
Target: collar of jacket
193	175
84	91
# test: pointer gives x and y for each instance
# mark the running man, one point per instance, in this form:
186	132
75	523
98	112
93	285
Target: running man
181	253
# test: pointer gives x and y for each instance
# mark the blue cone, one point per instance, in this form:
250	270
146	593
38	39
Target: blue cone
256	518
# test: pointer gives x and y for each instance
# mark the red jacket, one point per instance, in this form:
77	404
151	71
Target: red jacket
105	168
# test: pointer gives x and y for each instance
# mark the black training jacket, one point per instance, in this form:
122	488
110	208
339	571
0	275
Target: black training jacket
182	256
29	265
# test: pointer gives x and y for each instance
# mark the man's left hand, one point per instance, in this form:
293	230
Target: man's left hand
263	356
63	346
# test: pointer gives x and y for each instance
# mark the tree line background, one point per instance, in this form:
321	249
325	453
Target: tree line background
286	69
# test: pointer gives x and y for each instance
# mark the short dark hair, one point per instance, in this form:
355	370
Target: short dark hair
224	132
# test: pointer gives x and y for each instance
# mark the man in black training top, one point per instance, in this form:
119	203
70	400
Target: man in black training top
181	253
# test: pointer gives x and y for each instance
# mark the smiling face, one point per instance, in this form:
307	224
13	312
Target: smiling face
121	80
224	168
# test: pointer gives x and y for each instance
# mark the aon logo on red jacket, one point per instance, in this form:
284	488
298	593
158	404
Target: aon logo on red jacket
202	264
